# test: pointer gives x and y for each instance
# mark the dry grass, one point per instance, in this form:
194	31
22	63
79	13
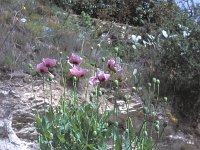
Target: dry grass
23	43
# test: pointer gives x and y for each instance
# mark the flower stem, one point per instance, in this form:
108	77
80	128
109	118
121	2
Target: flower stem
44	93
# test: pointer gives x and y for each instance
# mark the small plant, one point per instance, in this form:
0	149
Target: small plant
86	19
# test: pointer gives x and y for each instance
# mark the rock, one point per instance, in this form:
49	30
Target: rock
14	94
27	80
27	133
3	93
180	141
2	129
17	74
197	130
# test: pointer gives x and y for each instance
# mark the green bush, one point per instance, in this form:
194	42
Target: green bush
127	11
177	58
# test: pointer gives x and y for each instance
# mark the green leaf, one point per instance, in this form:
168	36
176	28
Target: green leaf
48	135
44	123
38	121
61	137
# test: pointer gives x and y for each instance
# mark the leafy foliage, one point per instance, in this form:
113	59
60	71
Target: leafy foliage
72	128
177	58
134	12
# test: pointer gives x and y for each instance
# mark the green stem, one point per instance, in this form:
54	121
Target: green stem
75	102
44	93
64	83
152	126
128	124
51	98
97	102
115	105
158	94
137	137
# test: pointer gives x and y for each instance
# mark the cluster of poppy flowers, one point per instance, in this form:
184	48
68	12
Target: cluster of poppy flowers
77	71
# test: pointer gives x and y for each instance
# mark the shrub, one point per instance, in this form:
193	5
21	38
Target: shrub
127	11
177	59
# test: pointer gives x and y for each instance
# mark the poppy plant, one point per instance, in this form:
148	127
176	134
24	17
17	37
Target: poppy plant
78	72
102	76
112	65
74	60
93	80
41	68
49	63
118	68
99	77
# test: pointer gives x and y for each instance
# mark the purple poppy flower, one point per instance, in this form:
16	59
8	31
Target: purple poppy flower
74	59
118	68
102	76
78	72
48	62
99	77
41	68
111	64
93	80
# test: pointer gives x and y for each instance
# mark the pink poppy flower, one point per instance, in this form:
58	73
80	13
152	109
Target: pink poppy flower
99	77
111	64
78	72
118	68
50	63
41	68
102	76
93	80
74	59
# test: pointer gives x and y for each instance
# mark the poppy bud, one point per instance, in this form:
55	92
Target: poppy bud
125	98
116	83
116	49
157	127
165	99
157	122
149	84
134	89
158	81
98	45
103	59
30	66
145	110
91	48
95	133
74	78
127	130
100	93
154	80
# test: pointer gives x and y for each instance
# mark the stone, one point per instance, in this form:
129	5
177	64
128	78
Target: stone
2	129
